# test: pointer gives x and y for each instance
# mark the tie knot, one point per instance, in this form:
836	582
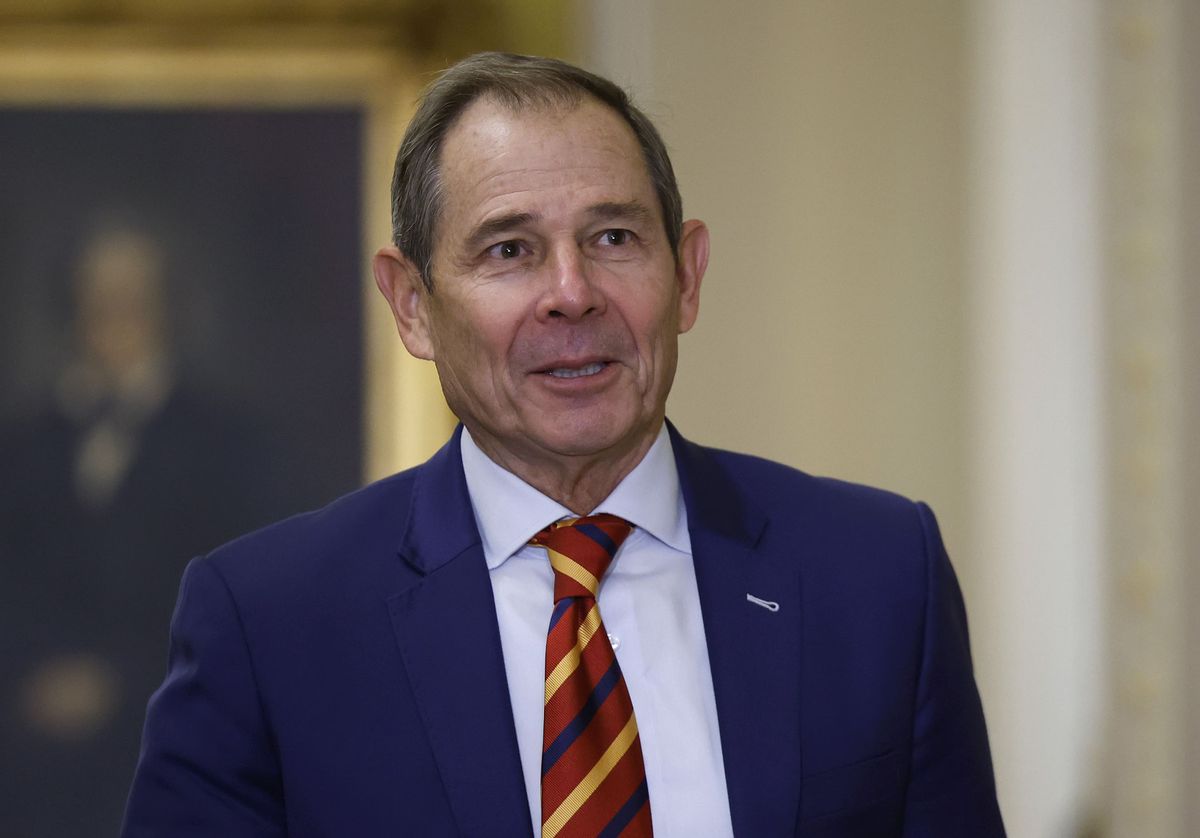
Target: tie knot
581	550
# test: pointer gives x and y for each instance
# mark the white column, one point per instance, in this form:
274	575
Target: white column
1036	438
1149	790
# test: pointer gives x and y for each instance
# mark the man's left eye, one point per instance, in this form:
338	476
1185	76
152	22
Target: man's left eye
615	237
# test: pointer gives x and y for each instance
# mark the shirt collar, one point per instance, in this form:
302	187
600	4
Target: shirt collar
508	511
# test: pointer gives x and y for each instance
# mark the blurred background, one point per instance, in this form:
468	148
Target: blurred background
954	254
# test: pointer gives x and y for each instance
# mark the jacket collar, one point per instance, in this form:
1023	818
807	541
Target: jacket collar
440	524
750	598
445	626
714	503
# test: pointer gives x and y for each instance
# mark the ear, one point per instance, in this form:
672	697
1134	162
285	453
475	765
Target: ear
693	262
400	283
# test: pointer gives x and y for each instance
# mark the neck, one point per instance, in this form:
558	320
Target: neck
578	482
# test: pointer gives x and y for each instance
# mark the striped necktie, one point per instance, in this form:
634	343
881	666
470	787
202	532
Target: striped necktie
593	778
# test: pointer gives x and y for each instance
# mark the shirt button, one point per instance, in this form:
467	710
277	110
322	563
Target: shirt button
614	640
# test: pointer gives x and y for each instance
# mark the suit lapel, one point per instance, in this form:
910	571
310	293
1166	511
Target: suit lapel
754	650
445	626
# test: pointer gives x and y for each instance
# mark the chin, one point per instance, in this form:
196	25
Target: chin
595	436
579	445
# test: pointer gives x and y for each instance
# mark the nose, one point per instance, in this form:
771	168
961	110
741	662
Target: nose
571	292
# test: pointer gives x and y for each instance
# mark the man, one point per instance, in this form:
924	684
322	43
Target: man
118	486
792	651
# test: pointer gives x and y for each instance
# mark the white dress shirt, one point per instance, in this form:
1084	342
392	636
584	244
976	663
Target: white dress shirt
651	609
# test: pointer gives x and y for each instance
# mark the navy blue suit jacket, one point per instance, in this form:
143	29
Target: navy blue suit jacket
340	673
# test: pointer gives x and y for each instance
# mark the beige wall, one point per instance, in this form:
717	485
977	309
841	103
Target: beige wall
822	145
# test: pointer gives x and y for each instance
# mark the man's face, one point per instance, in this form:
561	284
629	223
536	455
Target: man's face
557	301
121	316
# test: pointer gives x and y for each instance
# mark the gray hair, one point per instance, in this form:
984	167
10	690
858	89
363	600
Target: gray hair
516	81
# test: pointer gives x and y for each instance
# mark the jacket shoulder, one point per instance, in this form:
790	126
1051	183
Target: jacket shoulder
777	488
842	536
355	535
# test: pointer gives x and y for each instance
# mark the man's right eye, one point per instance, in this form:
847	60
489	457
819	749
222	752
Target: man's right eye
505	250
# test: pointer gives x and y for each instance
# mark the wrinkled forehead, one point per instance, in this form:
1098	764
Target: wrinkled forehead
497	145
539	113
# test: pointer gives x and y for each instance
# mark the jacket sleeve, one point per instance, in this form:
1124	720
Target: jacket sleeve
951	787
208	765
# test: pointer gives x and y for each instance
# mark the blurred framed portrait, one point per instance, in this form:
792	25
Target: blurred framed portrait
189	348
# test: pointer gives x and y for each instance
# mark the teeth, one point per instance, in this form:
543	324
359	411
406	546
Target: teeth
590	369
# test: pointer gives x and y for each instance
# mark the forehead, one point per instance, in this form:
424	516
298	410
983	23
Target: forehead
496	158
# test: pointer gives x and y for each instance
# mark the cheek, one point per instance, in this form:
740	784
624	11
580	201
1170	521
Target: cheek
663	348
476	347
656	326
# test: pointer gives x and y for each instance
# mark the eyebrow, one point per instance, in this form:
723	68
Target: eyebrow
495	226
610	210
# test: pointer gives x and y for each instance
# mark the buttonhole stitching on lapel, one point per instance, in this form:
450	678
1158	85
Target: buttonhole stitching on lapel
765	603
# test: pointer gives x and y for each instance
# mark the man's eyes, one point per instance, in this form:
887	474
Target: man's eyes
516	248
616	237
506	250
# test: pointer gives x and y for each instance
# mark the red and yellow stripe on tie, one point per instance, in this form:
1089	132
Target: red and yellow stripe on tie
593	776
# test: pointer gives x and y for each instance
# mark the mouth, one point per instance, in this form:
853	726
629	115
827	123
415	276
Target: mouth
577	372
